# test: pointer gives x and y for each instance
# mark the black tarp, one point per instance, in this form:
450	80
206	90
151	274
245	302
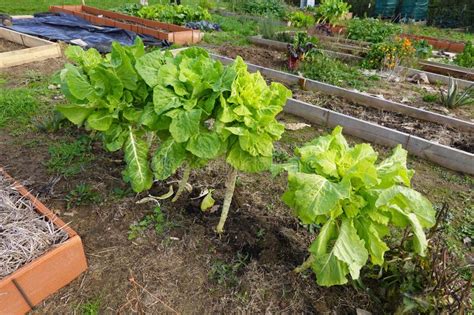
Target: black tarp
68	28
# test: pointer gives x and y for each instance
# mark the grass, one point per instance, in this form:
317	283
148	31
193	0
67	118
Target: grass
69	158
33	6
155	220
17	106
91	307
234	30
440	33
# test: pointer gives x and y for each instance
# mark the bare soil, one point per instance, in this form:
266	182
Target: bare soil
6	45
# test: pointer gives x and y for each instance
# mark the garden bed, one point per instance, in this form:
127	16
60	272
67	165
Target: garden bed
17	48
394	91
164	31
39	253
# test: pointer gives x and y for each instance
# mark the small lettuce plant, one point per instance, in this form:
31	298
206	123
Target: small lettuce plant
357	201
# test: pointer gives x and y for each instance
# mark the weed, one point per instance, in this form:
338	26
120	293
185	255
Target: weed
430	98
16	106
52	122
227	273
81	195
329	70
122	193
156	220
280	156
33	76
91	307
69	159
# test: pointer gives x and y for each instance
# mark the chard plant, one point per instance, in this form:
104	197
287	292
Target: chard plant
357	201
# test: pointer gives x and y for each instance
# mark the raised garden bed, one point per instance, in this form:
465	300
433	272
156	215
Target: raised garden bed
457	156
436	72
18	49
40	253
164	31
441	44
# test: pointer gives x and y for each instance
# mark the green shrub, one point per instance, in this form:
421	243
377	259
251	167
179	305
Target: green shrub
423	49
175	14
300	19
371	30
466	58
261	7
332	11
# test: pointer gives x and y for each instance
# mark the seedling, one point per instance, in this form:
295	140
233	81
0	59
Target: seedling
81	195
155	220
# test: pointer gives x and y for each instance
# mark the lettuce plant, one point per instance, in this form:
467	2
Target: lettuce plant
108	96
357	201
186	90
246	120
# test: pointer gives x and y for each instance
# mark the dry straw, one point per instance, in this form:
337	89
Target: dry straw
24	234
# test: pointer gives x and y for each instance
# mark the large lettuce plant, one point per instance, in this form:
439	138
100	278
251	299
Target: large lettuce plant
108	96
356	200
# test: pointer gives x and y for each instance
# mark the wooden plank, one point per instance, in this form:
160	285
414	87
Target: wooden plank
445	156
23	56
22	39
451	70
359	98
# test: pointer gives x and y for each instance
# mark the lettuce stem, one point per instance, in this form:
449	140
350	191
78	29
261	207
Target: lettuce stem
229	193
306	265
182	183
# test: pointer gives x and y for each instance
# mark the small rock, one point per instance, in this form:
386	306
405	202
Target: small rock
419	78
362	312
296	126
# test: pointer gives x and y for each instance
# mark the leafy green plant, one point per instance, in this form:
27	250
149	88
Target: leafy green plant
356	200
371	30
108	96
175	14
332	11
211	111
303	47
423	49
300	19
266	8
155	220
81	195
454	97
91	307
466	58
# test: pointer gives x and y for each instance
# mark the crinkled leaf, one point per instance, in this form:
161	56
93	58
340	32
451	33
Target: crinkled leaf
168	158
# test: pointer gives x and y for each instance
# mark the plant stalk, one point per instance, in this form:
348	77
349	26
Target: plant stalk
229	193
182	183
306	265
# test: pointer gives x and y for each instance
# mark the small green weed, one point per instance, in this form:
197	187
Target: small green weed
227	273
69	159
122	193
91	307
430	98
280	156
16	106
156	220
81	195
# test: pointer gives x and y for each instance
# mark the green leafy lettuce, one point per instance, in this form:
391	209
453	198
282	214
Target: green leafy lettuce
247	121
107	95
356	200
